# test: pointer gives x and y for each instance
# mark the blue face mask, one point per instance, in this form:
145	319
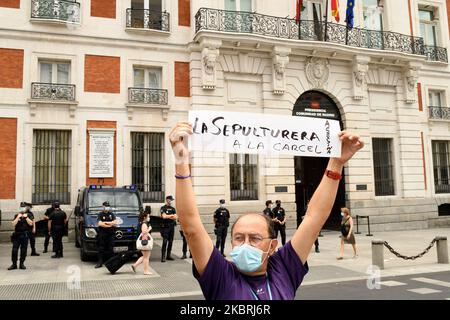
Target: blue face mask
247	258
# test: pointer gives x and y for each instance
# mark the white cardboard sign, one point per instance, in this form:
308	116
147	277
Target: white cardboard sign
237	132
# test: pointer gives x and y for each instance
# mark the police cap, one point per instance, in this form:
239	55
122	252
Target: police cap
106	204
170	198
222	201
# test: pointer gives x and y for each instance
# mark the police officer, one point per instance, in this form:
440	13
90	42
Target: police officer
268	210
21	223
47	214
169	214
221	223
279	218
105	238
32	229
56	226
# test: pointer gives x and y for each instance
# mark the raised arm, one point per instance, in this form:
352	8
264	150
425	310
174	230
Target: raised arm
322	201
198	239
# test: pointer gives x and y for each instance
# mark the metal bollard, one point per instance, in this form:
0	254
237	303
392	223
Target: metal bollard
377	253
442	249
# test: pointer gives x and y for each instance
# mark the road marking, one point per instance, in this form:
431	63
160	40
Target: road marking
433	281
424	290
392	283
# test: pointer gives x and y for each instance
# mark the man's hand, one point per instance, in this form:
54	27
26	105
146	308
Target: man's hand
178	140
351	143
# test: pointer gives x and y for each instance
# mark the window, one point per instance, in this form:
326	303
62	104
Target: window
237	19
147	14
383	167
441	166
54	72
244	176
428	26
373	15
147	169
51	166
436	98
147	78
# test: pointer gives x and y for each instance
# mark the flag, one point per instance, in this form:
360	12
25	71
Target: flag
349	17
317	24
298	7
335	9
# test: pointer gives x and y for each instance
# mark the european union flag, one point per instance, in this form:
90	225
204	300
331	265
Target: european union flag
349	16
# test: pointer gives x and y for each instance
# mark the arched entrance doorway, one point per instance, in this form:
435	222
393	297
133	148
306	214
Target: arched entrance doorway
309	170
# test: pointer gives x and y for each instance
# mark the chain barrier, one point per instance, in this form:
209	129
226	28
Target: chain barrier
420	255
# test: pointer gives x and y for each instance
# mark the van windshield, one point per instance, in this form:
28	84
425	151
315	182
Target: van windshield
120	201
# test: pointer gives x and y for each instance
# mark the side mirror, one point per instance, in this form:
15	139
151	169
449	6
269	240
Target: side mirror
77	210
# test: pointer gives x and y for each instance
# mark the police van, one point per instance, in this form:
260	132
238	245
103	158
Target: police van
125	204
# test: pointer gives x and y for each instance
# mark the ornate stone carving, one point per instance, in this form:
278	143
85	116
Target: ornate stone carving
210	53
360	68
317	71
280	58
410	82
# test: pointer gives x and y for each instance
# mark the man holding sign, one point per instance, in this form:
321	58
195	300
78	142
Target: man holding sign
257	271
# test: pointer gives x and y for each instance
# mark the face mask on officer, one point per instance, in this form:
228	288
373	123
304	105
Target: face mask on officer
107	209
248	258
148	218
22	209
222	205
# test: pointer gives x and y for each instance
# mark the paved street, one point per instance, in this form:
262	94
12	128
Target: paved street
69	278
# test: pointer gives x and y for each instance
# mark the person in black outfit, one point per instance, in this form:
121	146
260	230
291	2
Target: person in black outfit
56	226
221	223
169	214
32	229
21	223
47	214
105	238
268	210
279	218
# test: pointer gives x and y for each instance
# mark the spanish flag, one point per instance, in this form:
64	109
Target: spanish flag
335	9
298	7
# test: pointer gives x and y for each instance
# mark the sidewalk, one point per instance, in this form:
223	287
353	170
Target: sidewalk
69	278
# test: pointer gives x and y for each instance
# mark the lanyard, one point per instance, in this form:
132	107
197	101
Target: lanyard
268	289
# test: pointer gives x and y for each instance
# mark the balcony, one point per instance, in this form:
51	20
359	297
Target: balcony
284	28
147	96
52	91
55	11
148	20
156	99
440	113
434	53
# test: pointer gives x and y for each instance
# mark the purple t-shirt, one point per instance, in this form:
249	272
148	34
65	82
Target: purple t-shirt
221	280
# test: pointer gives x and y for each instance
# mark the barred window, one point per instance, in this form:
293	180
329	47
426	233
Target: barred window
148	165
51	166
244	176
383	167
441	166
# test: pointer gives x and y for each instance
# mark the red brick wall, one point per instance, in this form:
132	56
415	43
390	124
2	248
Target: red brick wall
11	68
102	74
184	13
10	3
103	8
419	96
182	79
8	146
101	124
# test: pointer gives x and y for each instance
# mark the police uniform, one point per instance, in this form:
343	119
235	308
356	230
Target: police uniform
279	213
58	223
222	221
268	212
20	240
105	237
31	235
167	232
47	213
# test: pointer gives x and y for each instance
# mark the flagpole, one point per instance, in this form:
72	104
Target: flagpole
326	21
